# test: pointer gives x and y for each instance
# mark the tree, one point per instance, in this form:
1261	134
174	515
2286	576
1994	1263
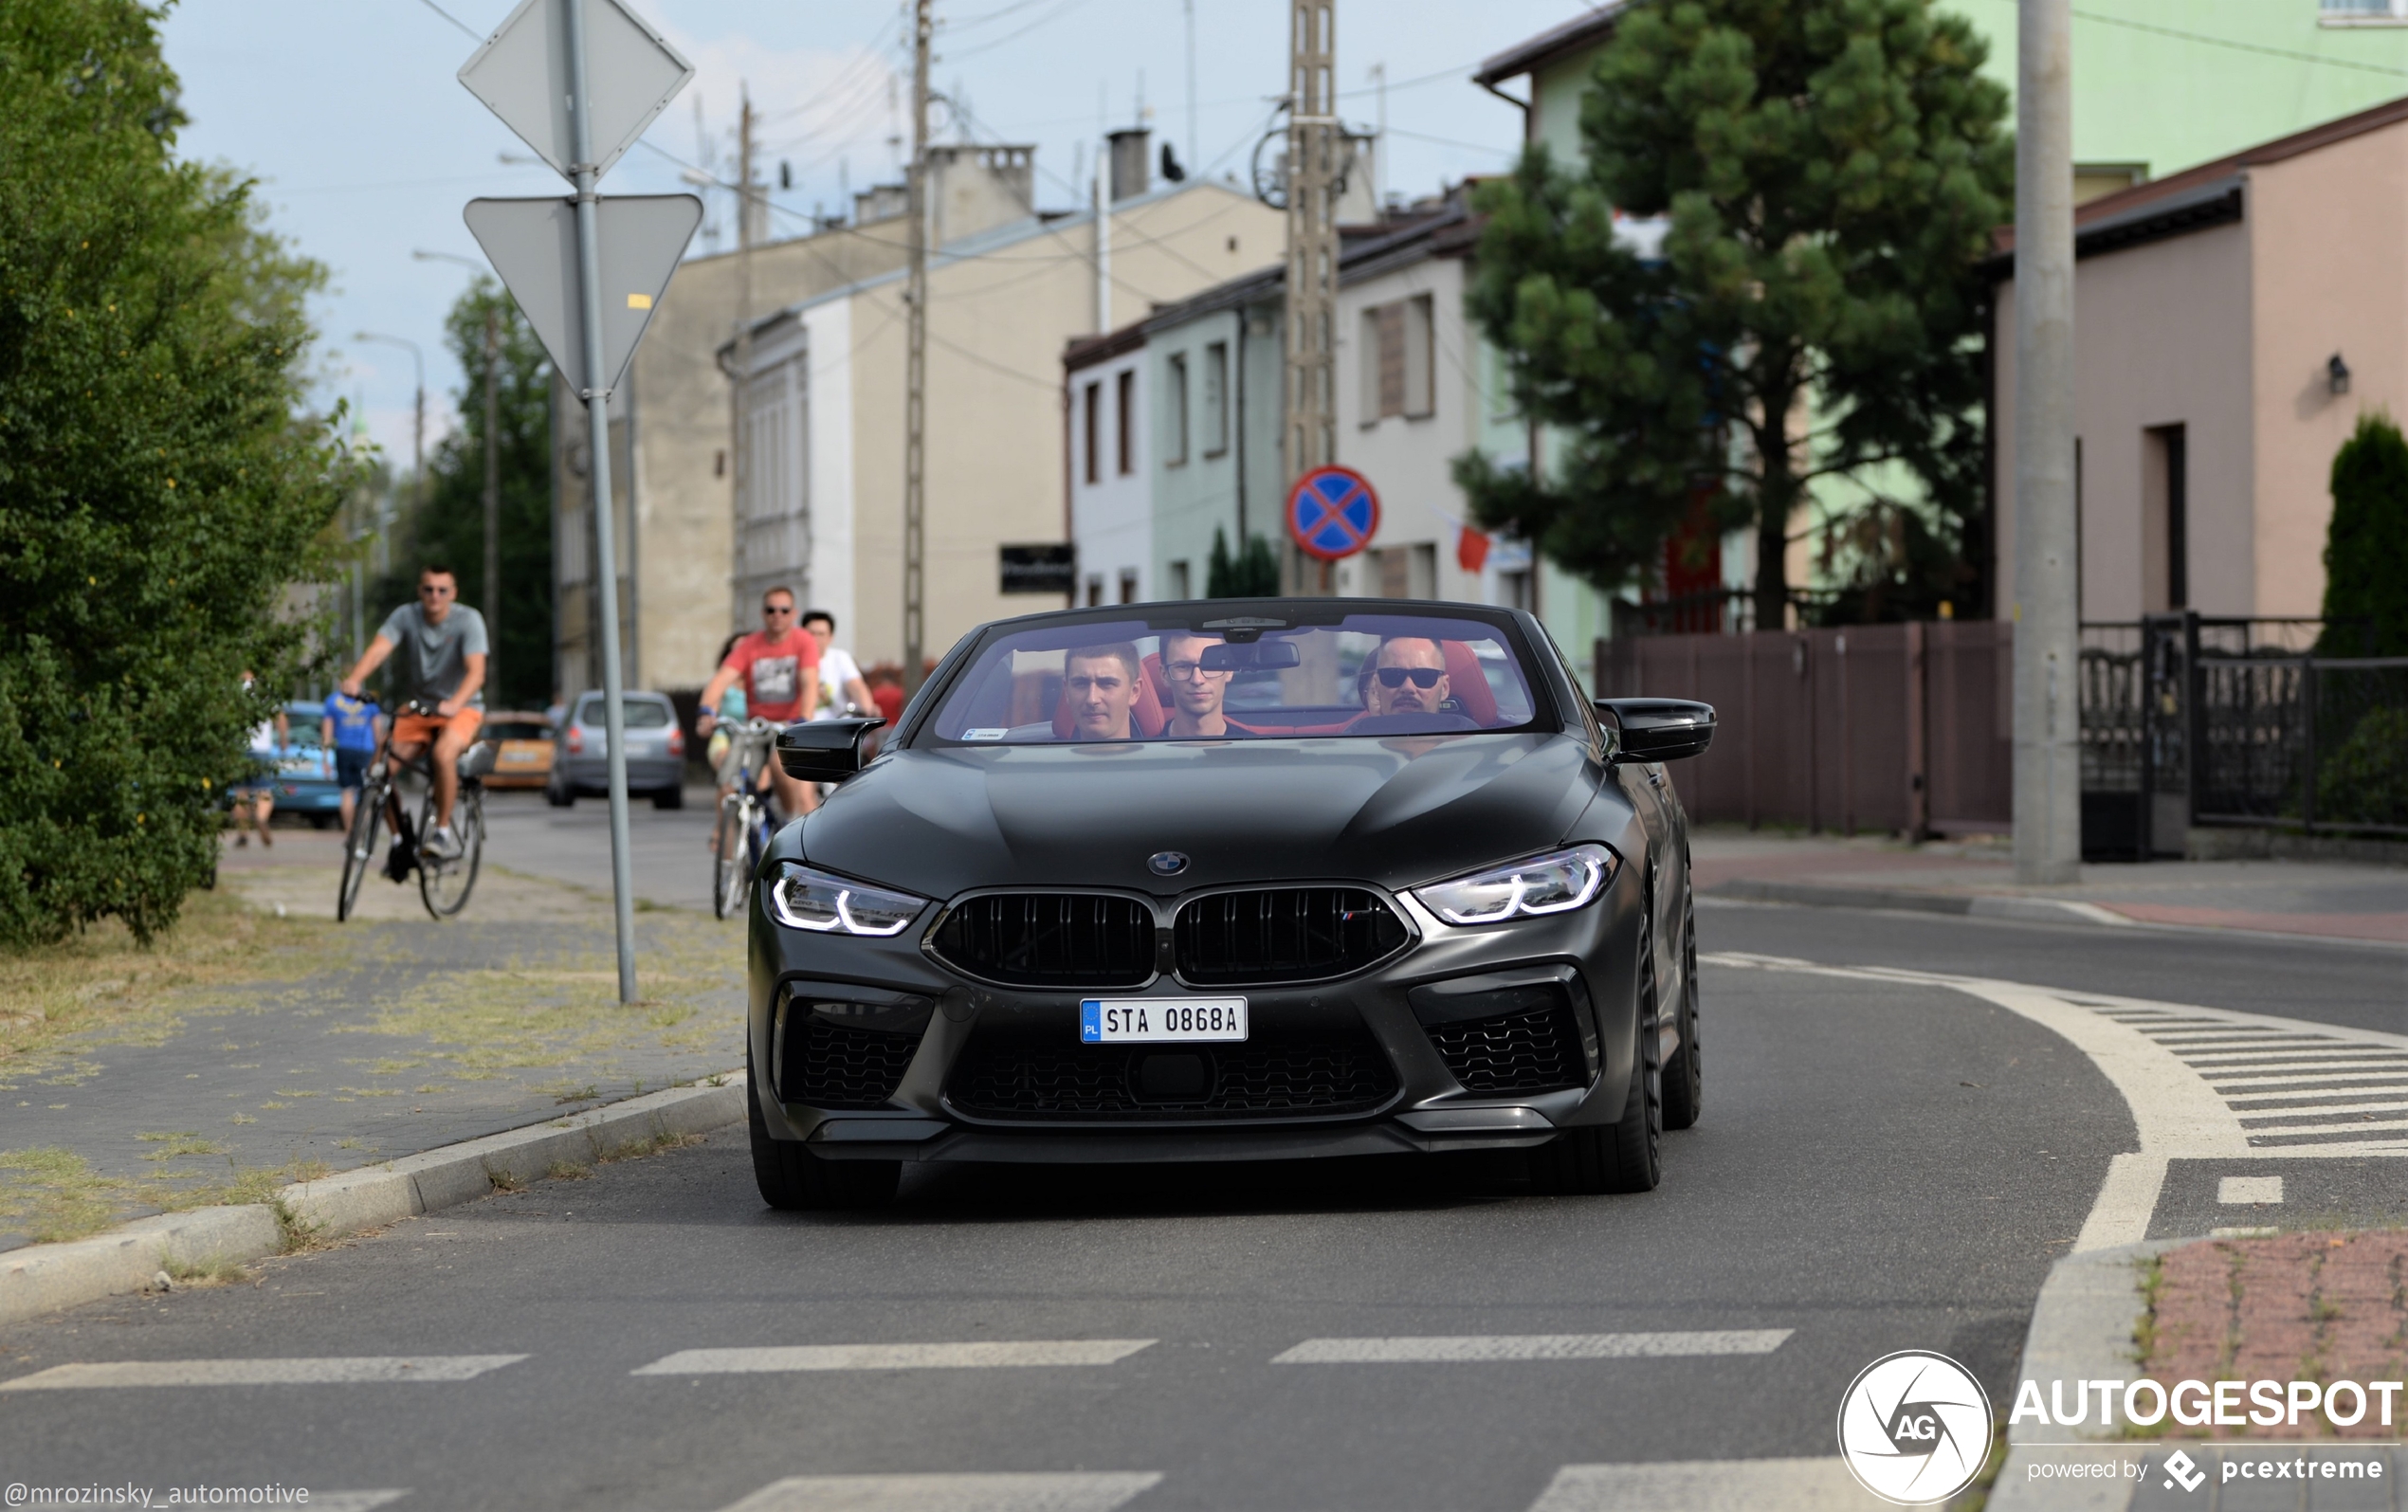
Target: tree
451	527
1251	573
2367	544
162	485
1831	170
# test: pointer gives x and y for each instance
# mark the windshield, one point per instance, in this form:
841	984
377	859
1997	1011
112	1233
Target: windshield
1368	674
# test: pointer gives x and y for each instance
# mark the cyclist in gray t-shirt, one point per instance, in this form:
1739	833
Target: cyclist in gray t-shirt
442	663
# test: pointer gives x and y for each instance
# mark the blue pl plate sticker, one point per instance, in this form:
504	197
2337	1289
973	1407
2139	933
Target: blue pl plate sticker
1091	1021
984	735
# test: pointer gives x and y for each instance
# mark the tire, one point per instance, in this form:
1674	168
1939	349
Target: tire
443	885
323	821
731	861
359	847
1685	1073
793	1179
560	794
1624	1156
669	797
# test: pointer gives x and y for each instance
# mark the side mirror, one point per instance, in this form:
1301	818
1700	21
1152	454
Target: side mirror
822	749
1658	729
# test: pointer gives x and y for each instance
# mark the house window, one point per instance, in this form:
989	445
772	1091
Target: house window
1095	431
1095	589
2165	553
1128	585
1126	397
1395	360
1513	591
1217	398
1177	441
1408	571
1179	585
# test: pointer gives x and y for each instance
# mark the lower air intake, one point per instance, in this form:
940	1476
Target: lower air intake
1513	1052
838	1066
1044	1074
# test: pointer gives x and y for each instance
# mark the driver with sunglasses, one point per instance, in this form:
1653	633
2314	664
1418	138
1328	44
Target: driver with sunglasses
1406	675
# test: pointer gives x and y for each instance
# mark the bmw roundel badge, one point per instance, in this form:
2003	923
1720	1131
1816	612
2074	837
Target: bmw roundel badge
1166	863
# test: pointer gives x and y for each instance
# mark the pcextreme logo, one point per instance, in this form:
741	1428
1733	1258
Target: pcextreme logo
1914	1428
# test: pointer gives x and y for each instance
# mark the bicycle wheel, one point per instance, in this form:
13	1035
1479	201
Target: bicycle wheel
359	847
731	859
445	882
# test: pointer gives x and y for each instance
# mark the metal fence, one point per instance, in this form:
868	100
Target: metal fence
1900	728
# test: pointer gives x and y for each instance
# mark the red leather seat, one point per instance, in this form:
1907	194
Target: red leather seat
1467	685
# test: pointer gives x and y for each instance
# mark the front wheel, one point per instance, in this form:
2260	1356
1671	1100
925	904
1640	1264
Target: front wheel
445	882
731	860
359	847
793	1179
1624	1156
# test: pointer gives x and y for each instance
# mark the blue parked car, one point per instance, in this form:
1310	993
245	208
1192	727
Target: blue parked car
306	769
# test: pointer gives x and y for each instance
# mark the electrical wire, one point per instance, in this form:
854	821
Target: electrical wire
454	20
1046	20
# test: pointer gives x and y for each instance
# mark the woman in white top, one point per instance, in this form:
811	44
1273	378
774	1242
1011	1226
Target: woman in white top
255	801
841	689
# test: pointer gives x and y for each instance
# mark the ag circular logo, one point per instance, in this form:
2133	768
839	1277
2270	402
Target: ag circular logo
1914	1428
1166	863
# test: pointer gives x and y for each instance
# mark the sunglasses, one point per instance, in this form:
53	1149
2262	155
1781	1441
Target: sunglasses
1423	677
778	609
436	590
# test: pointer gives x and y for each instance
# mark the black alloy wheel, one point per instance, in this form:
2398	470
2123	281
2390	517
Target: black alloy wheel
1624	1156
1685	1073
793	1179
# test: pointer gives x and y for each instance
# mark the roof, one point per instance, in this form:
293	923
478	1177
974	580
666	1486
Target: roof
1544	48
1087	350
2196	198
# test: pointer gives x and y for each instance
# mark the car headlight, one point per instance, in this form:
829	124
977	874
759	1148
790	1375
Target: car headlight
1552	883
804	899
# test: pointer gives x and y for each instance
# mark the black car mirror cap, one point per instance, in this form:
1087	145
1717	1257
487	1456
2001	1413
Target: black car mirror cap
1250	656
1658	729
822	749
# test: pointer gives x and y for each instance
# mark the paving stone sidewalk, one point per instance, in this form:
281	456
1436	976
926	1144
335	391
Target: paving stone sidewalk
2333	898
404	1034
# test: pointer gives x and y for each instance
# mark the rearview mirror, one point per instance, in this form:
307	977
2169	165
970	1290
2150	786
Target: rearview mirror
822	749
1658	729
1257	656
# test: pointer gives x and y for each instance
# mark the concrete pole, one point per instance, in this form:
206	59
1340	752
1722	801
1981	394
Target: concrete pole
2048	753
492	498
916	362
598	409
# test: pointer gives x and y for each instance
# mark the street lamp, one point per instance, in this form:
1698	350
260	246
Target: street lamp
493	471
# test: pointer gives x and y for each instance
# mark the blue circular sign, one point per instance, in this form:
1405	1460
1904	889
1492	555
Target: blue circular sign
1332	512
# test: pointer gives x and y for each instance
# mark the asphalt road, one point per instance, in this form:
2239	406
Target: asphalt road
1880	1166
670	856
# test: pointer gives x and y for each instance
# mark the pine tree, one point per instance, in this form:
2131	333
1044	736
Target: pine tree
2367	544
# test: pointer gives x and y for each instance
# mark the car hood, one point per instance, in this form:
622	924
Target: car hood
1396	812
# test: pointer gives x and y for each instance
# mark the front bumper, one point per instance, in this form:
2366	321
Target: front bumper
940	1022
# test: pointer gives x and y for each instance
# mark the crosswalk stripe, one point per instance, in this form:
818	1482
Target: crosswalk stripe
337	1370
1707	1486
1094	1492
1480	1347
894	1357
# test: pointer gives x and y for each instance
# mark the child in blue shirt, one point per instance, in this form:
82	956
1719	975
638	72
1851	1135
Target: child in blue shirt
350	729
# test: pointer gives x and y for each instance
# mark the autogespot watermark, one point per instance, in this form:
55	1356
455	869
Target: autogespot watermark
1914	1427
19	1494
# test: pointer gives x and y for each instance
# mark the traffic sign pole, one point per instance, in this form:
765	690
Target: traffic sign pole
597	409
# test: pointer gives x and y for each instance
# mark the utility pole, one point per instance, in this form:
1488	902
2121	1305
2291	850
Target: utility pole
1195	140
1103	238
1379	147
1312	239
739	459
915	364
2048	761
493	495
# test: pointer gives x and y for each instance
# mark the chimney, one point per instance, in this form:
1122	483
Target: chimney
1132	174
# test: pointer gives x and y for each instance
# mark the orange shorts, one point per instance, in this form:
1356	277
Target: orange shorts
425	729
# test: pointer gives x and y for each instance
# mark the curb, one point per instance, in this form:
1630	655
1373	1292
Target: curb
44	1278
2080	1331
1979	906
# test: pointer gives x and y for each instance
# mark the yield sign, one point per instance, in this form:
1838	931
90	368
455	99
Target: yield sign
532	245
1332	512
522	74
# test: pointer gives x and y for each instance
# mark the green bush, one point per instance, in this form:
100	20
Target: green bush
2365	781
2367	544
162	488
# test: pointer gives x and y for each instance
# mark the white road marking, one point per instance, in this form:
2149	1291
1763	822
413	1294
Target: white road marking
2163	1058
339	1371
1481	1347
894	1357
948	1493
2240	1191
1707	1486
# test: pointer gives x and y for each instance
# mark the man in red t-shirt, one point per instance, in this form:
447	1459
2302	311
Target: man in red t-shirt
779	665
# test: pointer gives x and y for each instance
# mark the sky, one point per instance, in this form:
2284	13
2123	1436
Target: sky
365	146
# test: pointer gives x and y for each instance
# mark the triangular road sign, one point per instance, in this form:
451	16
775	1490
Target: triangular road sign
532	245
522	73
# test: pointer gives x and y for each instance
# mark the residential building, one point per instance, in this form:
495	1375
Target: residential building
2232	321
1110	484
827	379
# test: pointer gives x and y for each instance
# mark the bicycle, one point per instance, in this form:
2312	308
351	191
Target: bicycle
742	836
444	882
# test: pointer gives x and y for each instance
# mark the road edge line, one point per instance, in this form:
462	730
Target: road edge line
41	1279
2002	906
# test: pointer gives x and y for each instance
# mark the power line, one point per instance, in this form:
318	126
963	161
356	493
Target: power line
454	20
1046	20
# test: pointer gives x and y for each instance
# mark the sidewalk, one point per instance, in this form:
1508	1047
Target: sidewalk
2332	899
356	1043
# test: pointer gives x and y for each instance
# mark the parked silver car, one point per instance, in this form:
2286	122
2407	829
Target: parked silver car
655	752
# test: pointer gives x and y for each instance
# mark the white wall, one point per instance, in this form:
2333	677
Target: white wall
829	335
1112	518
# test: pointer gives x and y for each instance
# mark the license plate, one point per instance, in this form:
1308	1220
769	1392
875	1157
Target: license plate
1162	1020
